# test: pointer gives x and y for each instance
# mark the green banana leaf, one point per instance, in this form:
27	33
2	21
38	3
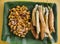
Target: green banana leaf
29	39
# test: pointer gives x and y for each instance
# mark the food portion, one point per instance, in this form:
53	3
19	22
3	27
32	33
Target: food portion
46	21
43	22
51	20
40	23
35	22
19	20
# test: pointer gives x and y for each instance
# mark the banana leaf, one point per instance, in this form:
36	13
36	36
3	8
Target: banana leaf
29	39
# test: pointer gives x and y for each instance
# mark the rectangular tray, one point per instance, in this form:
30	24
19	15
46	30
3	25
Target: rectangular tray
29	39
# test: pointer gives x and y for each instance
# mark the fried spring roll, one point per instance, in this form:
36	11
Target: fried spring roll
35	34
51	20
42	22
44	12
37	22
46	21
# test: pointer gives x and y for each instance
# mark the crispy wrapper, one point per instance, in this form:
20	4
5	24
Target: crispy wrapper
51	20
46	20
42	23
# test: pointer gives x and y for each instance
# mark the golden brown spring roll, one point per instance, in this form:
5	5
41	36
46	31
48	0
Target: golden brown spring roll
37	22
46	21
42	22
51	20
35	34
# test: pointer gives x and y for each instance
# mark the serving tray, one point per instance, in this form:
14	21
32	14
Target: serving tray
29	39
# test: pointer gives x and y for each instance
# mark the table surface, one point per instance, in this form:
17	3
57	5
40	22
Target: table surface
47	1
